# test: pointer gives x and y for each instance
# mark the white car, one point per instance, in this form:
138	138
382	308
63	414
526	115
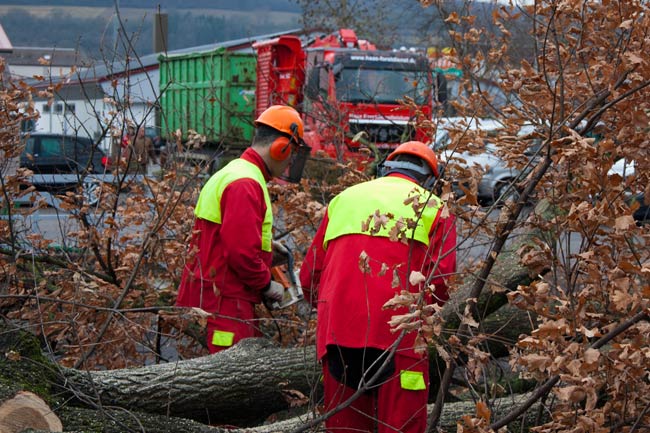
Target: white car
627	169
623	168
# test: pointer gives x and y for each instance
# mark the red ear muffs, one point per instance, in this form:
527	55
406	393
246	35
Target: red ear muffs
281	148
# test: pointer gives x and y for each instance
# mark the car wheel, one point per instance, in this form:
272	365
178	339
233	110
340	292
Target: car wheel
504	191
91	190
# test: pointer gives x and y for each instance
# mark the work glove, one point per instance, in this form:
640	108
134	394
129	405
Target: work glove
275	292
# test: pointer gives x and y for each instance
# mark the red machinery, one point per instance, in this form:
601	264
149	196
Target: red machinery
344	87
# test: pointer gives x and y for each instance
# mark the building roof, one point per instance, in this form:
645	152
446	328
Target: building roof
30	56
102	71
150	61
5	43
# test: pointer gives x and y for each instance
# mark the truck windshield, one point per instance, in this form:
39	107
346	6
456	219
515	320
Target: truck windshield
381	86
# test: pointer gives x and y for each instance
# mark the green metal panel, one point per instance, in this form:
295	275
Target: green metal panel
212	93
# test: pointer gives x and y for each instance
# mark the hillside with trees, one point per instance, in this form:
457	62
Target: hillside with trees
74	24
191	25
244	5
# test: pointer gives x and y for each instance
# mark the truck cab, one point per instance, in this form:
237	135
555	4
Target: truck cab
351	94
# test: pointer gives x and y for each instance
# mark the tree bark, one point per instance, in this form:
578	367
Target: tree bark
120	421
509	273
241	386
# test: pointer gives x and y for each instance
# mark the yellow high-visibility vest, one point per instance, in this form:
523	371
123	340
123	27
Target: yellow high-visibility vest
208	206
349	210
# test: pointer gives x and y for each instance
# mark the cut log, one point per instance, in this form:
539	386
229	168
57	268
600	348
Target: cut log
504	327
26	410
240	386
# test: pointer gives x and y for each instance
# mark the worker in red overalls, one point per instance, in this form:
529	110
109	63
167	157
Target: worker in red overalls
228	271
353	268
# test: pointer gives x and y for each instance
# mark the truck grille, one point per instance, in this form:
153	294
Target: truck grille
384	134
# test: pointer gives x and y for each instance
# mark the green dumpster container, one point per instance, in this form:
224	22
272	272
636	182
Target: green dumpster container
212	93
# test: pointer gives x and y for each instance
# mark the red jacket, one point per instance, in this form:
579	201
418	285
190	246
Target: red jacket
350	302
229	260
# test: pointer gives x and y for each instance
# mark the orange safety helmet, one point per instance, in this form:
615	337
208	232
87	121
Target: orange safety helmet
284	119
418	149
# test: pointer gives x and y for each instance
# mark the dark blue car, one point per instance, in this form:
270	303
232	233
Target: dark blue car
63	162
62	154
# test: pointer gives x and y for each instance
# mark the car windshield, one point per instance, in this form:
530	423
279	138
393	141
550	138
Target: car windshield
381	86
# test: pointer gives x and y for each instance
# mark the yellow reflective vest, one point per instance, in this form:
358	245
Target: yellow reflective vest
349	211
208	206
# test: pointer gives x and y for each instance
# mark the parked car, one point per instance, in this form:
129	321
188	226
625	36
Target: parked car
442	138
62	154
627	169
61	162
497	178
642	214
497	182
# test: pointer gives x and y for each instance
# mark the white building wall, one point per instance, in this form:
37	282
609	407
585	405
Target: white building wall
78	117
137	93
130	100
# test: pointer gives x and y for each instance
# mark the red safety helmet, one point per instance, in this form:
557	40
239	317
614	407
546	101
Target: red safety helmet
284	119
418	149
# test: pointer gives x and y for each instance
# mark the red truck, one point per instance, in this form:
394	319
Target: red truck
344	86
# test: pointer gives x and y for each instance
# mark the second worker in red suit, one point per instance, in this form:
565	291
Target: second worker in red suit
349	273
229	269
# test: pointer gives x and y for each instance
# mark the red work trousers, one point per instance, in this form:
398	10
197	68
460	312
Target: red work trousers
388	409
234	320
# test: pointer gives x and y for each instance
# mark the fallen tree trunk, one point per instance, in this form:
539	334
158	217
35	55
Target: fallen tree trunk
509	273
241	386
119	421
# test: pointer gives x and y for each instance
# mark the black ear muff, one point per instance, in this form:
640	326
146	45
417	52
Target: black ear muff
281	148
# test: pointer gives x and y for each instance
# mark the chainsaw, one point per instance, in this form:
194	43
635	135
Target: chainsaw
285	275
